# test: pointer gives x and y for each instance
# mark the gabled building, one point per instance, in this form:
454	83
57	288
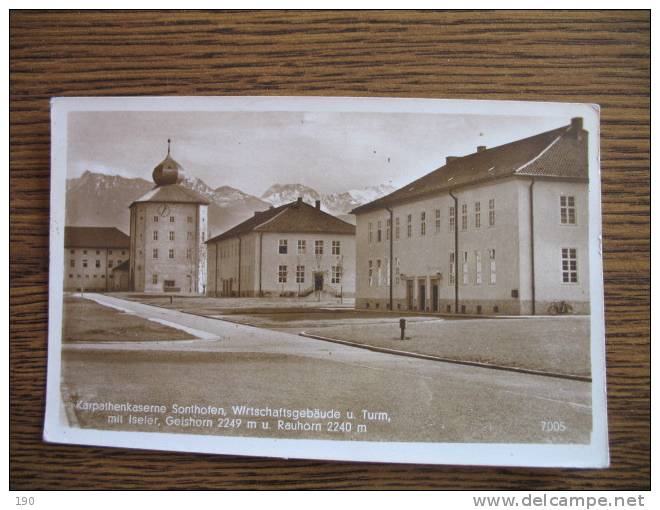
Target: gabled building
90	256
168	235
502	230
291	250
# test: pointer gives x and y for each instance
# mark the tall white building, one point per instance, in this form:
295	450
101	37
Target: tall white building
502	230
168	232
291	250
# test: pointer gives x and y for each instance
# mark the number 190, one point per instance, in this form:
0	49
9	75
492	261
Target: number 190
24	501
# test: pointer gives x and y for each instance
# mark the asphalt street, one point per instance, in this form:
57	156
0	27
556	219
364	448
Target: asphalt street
392	398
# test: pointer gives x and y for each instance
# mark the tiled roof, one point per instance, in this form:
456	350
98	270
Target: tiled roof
95	237
560	153
172	193
295	217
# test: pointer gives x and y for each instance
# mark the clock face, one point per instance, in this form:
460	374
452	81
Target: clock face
163	210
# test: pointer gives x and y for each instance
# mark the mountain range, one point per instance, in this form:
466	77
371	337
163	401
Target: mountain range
99	199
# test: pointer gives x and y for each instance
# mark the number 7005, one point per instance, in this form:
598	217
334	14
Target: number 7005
553	426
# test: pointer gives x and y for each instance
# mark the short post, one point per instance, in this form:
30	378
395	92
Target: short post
402	325
171	299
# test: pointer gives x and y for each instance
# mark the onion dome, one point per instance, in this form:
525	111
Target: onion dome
168	171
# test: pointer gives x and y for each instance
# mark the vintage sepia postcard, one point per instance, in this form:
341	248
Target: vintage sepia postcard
368	279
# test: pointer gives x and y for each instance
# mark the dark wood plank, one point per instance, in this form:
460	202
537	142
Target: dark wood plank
596	57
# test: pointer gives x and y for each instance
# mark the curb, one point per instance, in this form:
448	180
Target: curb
430	357
386	350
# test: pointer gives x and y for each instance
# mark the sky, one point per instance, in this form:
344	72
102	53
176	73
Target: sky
250	151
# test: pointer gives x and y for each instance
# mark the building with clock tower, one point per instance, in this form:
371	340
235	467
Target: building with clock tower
168	232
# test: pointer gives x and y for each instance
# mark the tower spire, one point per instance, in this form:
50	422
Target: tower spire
168	146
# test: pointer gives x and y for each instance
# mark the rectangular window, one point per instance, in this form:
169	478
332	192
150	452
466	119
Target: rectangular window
169	283
388	229
336	247
409	226
155	219
465	268
171	253
189	253
302	246
171	219
569	265
477	215
281	274
203	236
567	208
155	253
300	274
464	217
491	212
98	252
397	272
84	262
188	236
171	235
493	266
452	268
97	263
318	247
452	218
371	234
477	262
336	274
110	263
438	221
379	232
190	219
284	247
397	228
72	263
378	273
371	273
84	252
155	235
154	279
422	223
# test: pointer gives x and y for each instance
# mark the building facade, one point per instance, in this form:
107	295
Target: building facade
292	250
168	234
90	256
499	231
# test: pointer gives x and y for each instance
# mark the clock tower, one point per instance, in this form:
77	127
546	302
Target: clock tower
168	232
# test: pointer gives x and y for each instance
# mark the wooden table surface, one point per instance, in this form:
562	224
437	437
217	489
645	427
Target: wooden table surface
590	57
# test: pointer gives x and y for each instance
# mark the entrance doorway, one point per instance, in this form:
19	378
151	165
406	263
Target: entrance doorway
318	282
422	296
409	294
434	297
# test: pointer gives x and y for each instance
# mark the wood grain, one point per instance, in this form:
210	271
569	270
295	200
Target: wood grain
595	57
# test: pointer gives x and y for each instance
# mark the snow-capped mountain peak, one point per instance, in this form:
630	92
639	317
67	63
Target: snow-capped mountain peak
334	203
279	194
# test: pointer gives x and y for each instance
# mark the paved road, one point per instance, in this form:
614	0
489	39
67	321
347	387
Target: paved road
242	365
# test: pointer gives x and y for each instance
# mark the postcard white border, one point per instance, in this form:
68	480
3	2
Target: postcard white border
595	454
